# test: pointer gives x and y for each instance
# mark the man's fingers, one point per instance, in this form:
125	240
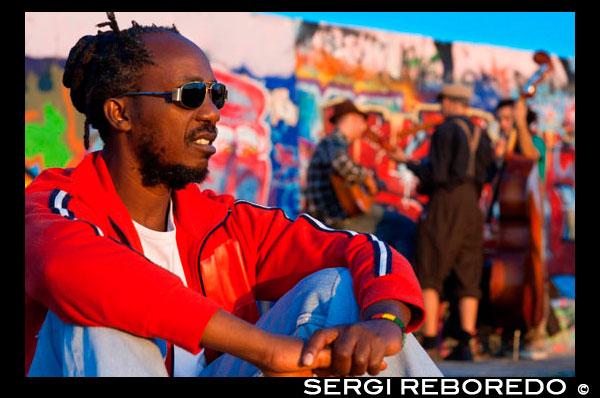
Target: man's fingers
376	363
316	343
361	357
343	352
323	359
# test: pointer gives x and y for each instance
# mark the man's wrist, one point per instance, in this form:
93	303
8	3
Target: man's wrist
394	319
389	306
521	125
232	335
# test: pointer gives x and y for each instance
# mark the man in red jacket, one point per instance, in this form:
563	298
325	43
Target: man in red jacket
130	267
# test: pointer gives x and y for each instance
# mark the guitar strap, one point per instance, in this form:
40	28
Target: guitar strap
473	140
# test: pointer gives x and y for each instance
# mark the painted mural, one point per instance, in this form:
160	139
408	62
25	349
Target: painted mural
395	79
53	127
280	96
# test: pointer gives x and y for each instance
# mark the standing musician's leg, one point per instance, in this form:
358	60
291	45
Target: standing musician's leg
437	242
469	269
431	301
467	306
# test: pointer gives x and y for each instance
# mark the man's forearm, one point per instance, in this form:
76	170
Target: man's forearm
526	143
348	169
267	351
230	334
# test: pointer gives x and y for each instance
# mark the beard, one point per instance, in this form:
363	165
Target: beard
155	170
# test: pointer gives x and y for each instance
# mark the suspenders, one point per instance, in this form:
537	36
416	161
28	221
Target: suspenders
473	139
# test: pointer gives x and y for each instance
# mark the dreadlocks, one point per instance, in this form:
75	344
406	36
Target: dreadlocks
105	65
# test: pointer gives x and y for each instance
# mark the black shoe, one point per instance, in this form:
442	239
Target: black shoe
462	352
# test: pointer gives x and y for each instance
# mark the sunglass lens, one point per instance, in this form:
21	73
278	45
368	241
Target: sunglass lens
192	94
218	94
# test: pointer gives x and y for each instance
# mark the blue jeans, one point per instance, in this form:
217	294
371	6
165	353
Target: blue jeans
321	300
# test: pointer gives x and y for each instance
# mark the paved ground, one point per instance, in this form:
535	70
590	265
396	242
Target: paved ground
558	366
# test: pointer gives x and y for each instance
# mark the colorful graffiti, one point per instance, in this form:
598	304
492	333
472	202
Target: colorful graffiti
333	62
51	122
242	166
560	205
279	102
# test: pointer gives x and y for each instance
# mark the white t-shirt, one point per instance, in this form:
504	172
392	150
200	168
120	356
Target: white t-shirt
161	248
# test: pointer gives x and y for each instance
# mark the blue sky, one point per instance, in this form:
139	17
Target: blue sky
553	32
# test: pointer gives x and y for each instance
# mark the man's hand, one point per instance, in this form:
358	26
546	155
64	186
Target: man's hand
284	358
500	147
360	347
340	350
355	349
520	112
371	185
398	156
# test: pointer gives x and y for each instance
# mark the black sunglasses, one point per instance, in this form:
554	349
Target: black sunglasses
191	95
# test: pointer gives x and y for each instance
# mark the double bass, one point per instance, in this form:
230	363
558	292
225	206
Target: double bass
517	274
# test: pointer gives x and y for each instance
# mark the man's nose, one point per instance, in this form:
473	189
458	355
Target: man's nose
208	111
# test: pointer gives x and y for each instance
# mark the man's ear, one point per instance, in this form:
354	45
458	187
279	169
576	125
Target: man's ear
117	115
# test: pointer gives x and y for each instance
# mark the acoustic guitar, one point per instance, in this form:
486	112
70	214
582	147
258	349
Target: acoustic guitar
354	198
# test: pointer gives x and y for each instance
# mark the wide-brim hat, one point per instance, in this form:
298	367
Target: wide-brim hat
343	108
455	91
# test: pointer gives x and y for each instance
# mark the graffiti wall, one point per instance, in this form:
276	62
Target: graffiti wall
283	77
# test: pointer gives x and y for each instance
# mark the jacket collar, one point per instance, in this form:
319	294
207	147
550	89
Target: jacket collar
195	211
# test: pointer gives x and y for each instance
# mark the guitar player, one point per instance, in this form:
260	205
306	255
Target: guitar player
331	158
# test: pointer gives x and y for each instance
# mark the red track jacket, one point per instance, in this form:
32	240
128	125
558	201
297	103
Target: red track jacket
85	262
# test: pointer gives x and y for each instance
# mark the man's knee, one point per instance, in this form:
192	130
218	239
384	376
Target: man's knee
469	283
117	353
429	282
73	350
468	293
334	277
324	299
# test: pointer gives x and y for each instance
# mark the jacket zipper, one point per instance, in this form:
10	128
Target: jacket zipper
201	283
202	247
120	233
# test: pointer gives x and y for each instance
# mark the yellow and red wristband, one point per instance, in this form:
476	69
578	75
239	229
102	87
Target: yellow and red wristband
395	319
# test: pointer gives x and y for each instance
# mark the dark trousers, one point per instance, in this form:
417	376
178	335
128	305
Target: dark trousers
398	231
450	237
